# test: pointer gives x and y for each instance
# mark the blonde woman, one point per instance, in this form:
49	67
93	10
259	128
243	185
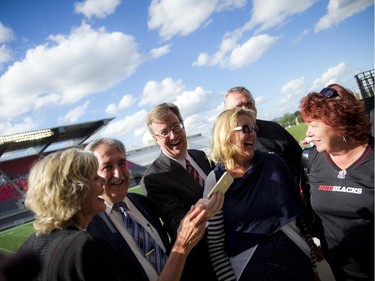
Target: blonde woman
63	192
259	228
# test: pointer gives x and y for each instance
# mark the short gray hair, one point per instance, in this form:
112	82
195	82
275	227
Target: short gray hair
109	141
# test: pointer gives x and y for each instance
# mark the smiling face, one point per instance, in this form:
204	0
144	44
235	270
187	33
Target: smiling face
323	136
175	144
244	143
114	169
93	204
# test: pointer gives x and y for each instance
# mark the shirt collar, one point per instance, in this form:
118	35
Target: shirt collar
182	162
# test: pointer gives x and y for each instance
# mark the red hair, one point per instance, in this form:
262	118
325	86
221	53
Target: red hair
343	113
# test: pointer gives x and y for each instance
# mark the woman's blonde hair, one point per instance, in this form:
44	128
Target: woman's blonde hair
222	150
57	186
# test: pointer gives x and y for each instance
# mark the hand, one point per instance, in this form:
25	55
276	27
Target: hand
191	229
212	204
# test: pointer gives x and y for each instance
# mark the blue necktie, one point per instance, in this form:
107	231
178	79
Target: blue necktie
152	251
194	173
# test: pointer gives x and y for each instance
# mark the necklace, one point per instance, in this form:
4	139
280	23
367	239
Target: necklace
78	226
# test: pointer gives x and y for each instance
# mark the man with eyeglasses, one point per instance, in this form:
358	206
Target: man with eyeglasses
175	182
271	137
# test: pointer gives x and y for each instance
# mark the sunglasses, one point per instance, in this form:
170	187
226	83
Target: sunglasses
247	129
329	93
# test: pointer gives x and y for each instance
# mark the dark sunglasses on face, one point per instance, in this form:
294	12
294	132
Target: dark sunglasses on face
247	129
329	93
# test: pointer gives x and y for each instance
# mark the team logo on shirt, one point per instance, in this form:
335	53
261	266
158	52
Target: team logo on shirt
338	188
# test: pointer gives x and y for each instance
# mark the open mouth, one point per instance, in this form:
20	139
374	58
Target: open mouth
249	144
175	142
116	181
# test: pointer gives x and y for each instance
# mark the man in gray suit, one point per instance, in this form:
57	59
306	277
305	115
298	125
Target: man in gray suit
139	262
169	184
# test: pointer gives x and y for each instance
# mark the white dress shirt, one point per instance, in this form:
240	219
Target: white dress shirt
137	216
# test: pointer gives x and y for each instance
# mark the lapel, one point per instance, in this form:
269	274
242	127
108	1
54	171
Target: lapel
103	226
145	206
201	159
176	172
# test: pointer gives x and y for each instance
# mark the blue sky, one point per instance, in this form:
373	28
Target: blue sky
65	62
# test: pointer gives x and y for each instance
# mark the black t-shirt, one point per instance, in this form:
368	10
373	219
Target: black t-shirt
344	202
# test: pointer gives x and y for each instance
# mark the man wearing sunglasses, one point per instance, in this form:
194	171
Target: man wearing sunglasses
271	137
175	182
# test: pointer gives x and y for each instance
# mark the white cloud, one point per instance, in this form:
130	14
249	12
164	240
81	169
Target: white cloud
97	8
293	85
302	35
266	14
233	55
125	102
5	55
269	13
9	128
111	109
230	4
339	10
74	114
250	51
46	100
165	91
127	125
190	102
196	124
66	70
181	17
158	52
147	138
259	100
6	34
332	75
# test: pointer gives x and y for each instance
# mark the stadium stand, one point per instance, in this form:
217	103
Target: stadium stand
17	154
365	81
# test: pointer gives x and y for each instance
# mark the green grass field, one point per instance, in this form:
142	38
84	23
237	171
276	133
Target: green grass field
298	131
11	239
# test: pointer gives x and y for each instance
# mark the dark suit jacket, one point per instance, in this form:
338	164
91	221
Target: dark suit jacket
272	137
101	227
174	191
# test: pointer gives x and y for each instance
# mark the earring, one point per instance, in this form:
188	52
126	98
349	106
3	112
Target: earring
344	139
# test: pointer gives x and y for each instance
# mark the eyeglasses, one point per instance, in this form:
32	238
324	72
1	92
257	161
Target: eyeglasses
247	129
175	129
329	93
